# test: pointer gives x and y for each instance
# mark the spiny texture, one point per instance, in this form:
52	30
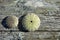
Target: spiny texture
31	22
12	21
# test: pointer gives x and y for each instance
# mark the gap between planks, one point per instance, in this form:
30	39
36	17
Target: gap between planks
10	30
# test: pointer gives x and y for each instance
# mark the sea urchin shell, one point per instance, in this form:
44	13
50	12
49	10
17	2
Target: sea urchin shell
31	22
12	21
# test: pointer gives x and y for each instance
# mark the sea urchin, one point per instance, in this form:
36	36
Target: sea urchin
31	22
12	21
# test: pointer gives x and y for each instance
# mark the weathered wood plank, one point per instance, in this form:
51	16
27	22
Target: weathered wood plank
6	2
31	35
47	22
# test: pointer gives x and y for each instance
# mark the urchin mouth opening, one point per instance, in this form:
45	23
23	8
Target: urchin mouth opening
31	21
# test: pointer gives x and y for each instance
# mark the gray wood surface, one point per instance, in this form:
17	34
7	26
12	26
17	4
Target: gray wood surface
48	30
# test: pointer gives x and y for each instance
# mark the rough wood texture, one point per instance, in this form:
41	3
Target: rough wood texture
50	22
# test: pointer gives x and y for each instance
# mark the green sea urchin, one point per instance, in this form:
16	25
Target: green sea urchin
12	21
31	22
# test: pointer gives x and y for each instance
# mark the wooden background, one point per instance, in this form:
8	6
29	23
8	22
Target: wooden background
50	23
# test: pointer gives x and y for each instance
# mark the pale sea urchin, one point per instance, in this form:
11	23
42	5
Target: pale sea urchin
31	22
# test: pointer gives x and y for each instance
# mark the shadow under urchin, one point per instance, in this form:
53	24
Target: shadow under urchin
4	22
20	26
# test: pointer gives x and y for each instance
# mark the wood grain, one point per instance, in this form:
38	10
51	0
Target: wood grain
48	30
